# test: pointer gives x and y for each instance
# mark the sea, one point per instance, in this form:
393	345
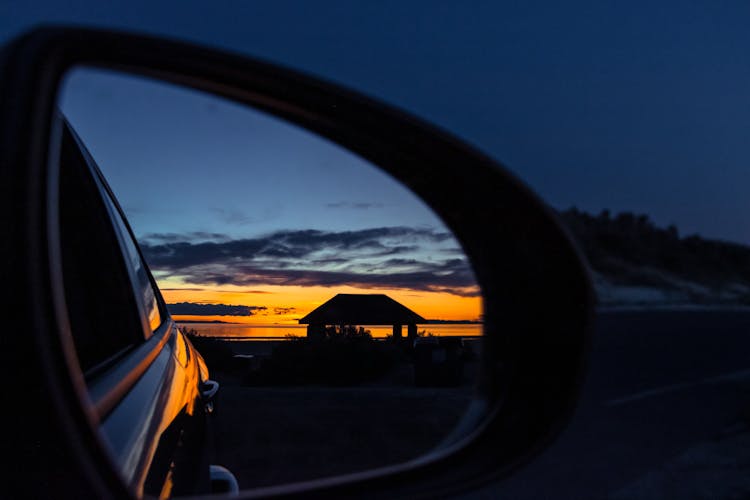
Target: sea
237	331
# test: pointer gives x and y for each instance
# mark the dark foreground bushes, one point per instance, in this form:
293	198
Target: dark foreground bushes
337	359
216	352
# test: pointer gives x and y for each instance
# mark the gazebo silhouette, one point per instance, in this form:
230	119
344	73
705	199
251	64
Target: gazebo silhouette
346	309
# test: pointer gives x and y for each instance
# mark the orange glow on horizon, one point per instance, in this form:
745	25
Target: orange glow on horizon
285	305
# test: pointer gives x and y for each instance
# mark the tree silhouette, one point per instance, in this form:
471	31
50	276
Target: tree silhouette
630	249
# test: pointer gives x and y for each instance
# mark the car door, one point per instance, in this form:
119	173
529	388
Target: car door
143	377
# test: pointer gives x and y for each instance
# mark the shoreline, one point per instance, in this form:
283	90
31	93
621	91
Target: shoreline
259	333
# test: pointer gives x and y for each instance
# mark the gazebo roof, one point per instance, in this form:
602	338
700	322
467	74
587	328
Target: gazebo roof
362	309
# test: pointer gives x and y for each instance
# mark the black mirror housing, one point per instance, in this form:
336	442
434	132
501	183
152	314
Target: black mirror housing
538	297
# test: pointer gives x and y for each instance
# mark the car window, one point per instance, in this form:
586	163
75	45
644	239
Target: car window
145	292
102	310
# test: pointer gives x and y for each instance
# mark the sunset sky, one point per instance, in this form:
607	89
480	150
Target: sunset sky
245	218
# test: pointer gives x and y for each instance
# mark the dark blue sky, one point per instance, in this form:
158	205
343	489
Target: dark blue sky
627	106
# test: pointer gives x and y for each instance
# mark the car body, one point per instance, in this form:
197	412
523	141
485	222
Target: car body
148	385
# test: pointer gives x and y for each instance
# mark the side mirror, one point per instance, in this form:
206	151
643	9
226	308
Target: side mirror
537	296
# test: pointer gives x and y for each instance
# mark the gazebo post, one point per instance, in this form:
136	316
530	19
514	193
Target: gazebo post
412	331
315	331
397	331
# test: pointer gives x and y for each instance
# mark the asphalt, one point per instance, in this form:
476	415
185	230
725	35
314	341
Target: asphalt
663	412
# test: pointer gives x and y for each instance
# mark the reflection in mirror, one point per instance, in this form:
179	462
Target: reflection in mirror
339	316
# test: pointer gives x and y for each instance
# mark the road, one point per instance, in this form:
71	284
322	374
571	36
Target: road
660	383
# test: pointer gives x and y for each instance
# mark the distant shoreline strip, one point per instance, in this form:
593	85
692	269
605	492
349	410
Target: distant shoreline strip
285	338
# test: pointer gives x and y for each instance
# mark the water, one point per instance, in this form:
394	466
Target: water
264	332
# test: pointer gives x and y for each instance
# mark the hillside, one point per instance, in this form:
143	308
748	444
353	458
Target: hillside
636	263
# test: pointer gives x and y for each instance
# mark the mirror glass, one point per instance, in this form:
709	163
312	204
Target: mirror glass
339	316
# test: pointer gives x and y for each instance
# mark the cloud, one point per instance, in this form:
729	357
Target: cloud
283	310
196	309
160	238
167	252
452	250
194	289
319	258
355	204
235	217
451	278
393	250
201	289
330	260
